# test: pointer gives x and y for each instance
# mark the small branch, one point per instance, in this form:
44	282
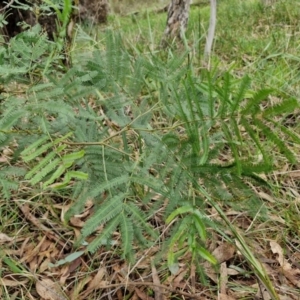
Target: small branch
85	144
103	143
7	5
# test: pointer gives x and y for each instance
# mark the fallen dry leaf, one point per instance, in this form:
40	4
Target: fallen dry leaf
291	274
267	197
4	159
276	249
5	238
157	290
94	284
179	278
193	277
49	290
135	297
223	278
77	222
232	272
224	252
7	282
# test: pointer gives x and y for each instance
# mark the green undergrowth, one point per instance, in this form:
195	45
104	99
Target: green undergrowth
149	134
135	6
250	38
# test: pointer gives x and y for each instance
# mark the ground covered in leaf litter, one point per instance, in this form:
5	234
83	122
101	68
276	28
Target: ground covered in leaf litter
38	260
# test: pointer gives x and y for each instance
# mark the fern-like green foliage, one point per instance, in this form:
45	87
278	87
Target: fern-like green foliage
151	137
31	54
9	180
209	118
53	164
28	56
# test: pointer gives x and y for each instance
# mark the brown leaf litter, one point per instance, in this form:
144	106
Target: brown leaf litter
105	275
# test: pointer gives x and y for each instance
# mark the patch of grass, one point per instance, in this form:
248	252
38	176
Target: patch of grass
133	6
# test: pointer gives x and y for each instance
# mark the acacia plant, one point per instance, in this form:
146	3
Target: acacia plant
141	137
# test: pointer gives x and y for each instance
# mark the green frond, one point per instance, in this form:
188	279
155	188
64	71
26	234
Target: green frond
224	93
61	169
207	93
10	118
199	224
171	140
233	145
9	180
166	72
49	157
275	139
181	231
45	171
109	209
7	185
126	229
206	255
252	106
104	237
291	134
113	183
136	80
61	139
141	239
42	86
240	95
139	219
285	107
80	190
137	134
150	182
236	131
254	136
55	164
37	152
249	167
34	146
179	211
68	159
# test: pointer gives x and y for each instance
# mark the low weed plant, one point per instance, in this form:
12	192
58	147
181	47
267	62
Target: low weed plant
149	140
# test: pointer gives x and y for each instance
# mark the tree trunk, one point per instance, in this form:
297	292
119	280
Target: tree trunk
95	11
178	15
212	27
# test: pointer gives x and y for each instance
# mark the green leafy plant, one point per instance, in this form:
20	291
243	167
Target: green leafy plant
151	140
27	57
54	164
31	54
